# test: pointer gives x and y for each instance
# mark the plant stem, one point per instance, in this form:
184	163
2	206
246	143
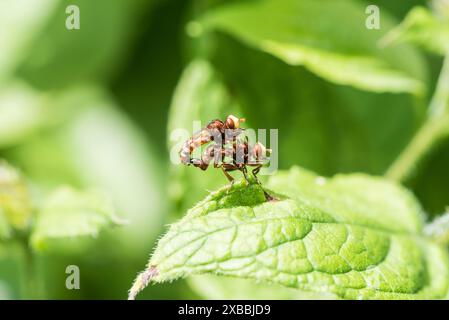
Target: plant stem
431	133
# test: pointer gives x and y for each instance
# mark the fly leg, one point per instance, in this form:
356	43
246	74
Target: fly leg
245	174
255	172
230	178
268	197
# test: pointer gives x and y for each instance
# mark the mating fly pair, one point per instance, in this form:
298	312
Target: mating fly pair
229	149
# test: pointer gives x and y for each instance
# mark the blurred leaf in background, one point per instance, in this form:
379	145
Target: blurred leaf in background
20	22
96	146
61	119
92	53
15	207
144	87
428	28
68	213
346	54
422	28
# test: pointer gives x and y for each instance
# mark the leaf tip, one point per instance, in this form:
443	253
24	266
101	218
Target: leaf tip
142	281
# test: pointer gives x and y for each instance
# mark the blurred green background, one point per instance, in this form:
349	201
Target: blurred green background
95	107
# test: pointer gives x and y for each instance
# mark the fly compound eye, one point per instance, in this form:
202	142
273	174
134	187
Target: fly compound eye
231	122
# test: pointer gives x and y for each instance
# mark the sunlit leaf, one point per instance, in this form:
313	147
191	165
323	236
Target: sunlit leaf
20	22
313	34
97	146
68	213
355	236
423	28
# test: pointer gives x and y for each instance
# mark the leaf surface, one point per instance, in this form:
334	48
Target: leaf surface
347	54
354	236
94	145
68	213
424	29
20	22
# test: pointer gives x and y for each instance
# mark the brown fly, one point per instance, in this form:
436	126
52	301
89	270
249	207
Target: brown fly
228	150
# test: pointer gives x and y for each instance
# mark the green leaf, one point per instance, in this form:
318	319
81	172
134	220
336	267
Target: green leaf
15	205
305	33
20	22
355	236
56	57
68	213
95	145
423	28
